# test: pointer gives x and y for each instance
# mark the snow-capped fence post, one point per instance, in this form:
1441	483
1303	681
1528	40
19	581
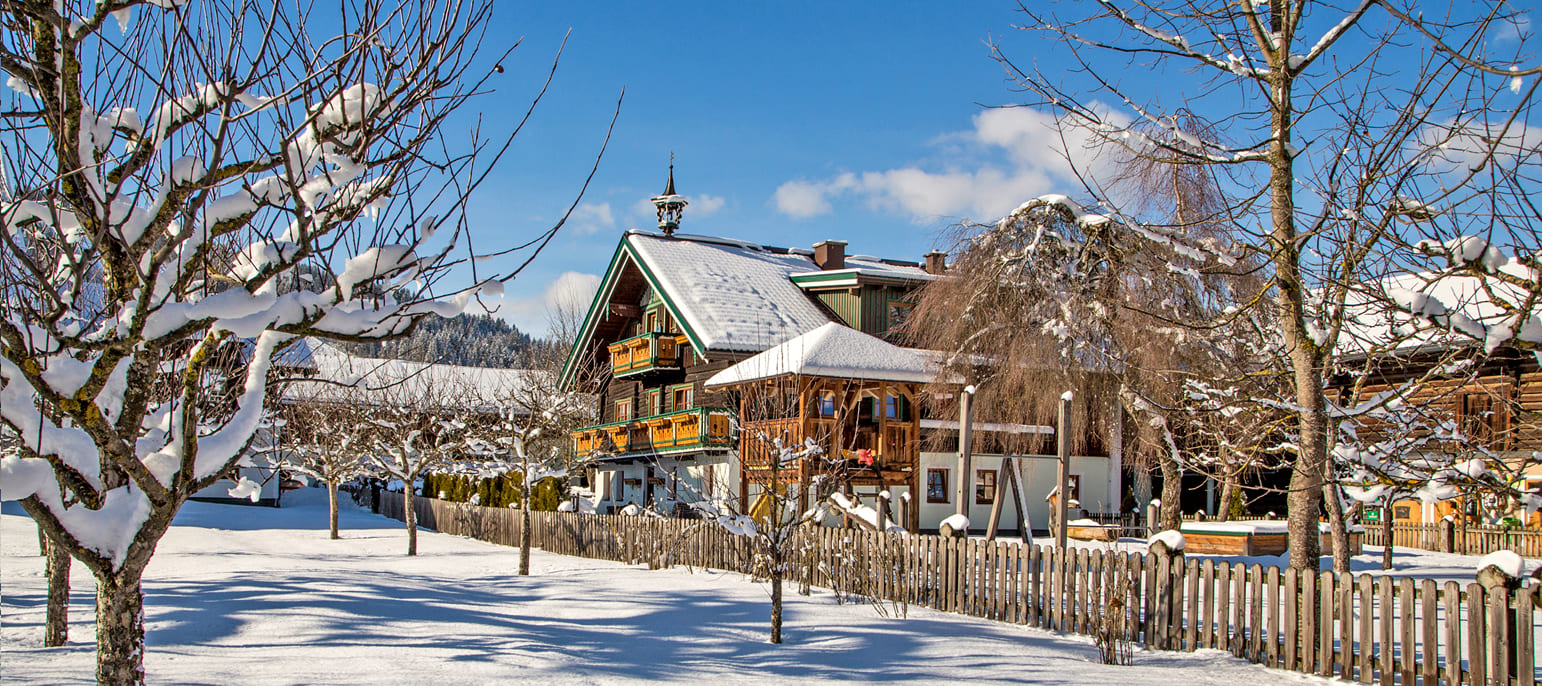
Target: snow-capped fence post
1166	551
1501	576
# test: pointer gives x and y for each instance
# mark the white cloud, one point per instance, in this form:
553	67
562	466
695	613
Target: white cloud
533	314
1514	27
588	219
1462	147
705	205
802	199
1010	155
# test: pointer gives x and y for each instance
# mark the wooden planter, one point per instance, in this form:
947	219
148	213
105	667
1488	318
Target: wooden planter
1244	543
1251	539
1093	532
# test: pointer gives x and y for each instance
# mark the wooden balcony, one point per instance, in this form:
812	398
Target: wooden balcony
649	352
682	431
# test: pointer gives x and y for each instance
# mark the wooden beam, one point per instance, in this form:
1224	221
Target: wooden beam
1063	436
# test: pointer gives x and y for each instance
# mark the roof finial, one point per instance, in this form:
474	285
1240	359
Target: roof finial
671	205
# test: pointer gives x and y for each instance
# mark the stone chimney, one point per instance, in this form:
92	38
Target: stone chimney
936	262
829	255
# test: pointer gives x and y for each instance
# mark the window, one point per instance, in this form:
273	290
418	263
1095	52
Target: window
827	404
936	485
896	407
683	395
899	311
624	410
653	321
984	486
656	402
1480	418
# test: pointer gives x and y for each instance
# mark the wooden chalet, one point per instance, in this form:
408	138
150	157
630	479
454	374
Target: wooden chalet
704	349
674	310
1497	405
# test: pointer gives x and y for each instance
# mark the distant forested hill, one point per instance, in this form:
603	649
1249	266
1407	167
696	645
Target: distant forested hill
473	340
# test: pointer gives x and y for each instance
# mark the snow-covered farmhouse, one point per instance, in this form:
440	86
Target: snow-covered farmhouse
703	350
1493	399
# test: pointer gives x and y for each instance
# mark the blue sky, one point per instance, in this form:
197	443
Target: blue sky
791	123
797	122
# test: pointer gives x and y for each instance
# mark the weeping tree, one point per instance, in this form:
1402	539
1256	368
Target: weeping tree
1056	297
1338	131
175	177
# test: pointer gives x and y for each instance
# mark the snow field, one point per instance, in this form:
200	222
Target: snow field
255	595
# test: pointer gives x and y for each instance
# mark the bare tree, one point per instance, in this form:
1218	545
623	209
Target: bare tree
1326	147
321	442
177	176
774	519
530	437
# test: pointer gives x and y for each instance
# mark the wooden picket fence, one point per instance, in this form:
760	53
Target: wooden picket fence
1358	627
1449	538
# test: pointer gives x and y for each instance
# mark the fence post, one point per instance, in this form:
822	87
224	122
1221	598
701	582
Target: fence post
1502	629
1169	566
1447	536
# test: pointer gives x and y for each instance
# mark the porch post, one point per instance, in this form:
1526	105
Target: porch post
965	448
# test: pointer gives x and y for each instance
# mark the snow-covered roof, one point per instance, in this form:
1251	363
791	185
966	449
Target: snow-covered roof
1450	302
342	378
832	350
732	295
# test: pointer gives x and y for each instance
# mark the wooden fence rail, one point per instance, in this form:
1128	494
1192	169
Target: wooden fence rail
1358	627
1450	538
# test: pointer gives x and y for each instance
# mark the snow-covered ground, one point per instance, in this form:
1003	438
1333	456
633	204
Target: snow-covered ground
247	595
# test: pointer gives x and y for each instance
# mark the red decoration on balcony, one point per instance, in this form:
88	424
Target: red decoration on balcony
864	457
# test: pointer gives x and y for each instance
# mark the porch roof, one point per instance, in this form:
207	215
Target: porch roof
835	351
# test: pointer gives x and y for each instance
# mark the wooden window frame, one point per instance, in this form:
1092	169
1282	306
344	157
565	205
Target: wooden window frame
656	402
985	486
942	472
626	415
690	396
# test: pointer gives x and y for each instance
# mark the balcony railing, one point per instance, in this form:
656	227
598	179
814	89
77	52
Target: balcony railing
684	430
648	352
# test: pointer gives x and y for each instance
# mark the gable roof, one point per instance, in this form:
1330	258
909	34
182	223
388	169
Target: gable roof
341	378
832	350
1423	311
728	296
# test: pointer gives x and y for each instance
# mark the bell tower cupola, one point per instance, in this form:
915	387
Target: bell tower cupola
671	204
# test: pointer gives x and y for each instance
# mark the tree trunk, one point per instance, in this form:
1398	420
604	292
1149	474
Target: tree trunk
524	522
56	629
120	629
332	508
1306	479
1337	527
411	515
776	595
1386	535
1172	492
1229	494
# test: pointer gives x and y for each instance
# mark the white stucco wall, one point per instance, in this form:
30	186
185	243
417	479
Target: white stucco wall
692	487
1039	473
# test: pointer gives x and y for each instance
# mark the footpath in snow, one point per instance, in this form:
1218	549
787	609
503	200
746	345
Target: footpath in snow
247	595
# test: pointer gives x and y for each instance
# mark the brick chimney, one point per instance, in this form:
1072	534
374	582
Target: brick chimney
936	262
830	255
